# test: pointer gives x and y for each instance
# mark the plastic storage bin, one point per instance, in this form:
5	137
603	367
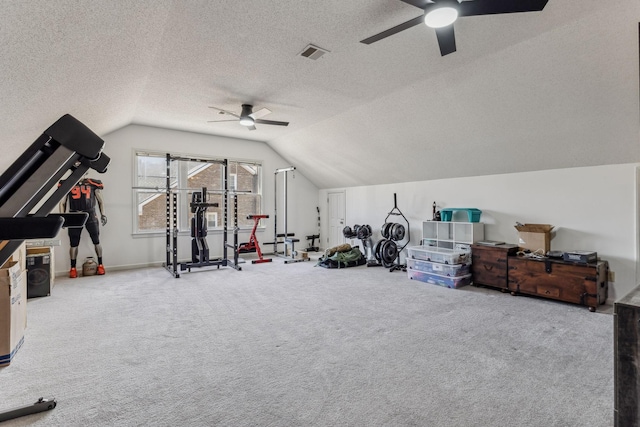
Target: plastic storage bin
436	279
473	214
451	270
443	255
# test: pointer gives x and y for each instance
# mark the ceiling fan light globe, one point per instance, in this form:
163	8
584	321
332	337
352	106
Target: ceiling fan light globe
246	121
441	17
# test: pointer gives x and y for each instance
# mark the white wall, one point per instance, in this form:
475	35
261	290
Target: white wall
123	250
592	208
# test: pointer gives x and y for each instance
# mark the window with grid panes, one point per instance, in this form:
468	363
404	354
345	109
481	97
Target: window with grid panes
186	177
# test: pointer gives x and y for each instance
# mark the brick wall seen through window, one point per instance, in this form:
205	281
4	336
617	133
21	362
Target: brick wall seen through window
152	204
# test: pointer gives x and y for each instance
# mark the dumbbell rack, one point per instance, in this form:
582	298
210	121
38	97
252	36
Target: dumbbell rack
395	234
362	233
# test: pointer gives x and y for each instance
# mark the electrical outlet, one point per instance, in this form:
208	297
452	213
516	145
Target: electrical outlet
612	276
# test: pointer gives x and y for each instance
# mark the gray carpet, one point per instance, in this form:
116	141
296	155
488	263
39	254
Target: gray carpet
298	345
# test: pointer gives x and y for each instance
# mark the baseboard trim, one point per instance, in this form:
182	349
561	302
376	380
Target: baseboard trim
119	267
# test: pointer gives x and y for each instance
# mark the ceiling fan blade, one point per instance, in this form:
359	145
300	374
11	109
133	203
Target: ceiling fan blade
491	7
391	31
271	122
422	4
218	121
446	40
225	112
260	113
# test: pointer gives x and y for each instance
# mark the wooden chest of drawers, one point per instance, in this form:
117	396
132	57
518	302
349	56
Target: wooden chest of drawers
585	284
490	265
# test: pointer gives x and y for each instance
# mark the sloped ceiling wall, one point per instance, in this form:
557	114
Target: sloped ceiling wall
571	100
524	92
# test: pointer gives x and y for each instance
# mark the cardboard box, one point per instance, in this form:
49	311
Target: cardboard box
13	310
534	236
18	256
36	243
39	250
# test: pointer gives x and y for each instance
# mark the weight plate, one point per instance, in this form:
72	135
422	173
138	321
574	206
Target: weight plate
389	227
376	250
389	252
385	229
392	231
360	234
398	232
382	247
346	232
370	230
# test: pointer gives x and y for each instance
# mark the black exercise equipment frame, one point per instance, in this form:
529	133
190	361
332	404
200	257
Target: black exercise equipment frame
199	245
40	405
172	265
67	148
313	237
397	212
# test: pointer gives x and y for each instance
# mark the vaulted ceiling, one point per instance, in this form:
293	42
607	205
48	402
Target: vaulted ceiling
529	91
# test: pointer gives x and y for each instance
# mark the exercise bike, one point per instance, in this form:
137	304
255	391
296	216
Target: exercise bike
253	245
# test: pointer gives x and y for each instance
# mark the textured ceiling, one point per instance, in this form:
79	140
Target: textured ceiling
531	91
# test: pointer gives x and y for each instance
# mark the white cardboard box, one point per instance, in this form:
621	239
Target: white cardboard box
13	310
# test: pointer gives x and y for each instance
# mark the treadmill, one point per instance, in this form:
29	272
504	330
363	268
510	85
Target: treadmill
66	150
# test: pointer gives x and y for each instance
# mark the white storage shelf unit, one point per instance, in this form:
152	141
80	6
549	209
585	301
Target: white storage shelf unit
451	235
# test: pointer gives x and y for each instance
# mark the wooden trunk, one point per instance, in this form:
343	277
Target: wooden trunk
585	284
490	265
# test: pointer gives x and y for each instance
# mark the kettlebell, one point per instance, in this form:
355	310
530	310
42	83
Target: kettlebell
90	267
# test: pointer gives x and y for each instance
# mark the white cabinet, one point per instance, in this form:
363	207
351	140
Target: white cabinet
451	235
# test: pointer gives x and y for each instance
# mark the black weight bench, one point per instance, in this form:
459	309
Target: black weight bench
313	238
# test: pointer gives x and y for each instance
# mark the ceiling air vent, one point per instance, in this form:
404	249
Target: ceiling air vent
313	52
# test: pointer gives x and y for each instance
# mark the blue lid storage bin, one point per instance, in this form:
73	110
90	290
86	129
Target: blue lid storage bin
473	214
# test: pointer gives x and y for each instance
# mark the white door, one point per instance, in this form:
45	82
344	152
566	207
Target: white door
336	218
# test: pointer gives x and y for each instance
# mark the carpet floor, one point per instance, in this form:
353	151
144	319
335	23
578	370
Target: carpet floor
299	345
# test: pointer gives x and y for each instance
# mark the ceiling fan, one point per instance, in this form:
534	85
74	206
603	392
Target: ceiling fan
248	118
441	14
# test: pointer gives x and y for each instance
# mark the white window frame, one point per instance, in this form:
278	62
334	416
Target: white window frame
233	181
212	217
184	214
